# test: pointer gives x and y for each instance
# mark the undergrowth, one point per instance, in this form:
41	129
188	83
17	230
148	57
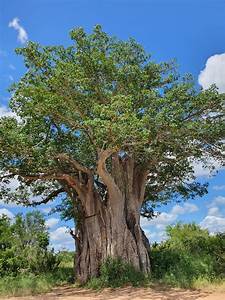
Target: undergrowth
31	284
116	273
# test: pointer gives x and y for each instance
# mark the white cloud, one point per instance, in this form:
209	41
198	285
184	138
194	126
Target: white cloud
4	211
61	239
214	72
218	187
215	219
13	185
60	234
51	222
214	211
46	209
22	34
219	200
5	112
213	223
155	235
186	208
201	171
11	78
165	219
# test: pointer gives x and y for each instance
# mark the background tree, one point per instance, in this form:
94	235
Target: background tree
102	124
24	245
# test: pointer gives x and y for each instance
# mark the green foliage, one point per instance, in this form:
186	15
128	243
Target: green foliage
189	254
27	266
104	93
116	273
29	283
24	245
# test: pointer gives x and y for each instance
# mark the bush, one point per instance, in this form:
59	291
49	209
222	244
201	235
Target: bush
117	273
24	246
190	254
29	283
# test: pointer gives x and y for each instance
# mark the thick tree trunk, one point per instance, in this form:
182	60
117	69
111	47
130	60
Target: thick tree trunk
111	228
106	233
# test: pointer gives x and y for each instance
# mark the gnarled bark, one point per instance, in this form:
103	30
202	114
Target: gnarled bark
111	227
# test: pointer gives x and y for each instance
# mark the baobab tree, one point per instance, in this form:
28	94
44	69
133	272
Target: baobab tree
103	125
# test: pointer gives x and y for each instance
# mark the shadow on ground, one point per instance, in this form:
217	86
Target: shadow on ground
156	292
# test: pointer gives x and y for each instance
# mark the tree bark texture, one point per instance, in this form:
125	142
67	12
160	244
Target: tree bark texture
110	224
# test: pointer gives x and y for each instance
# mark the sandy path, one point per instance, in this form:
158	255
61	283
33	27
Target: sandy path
128	293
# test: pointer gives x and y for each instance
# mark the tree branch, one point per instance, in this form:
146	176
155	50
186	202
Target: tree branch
47	176
73	162
103	172
71	181
48	198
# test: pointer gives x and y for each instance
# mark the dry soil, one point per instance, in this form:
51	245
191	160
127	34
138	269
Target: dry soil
128	293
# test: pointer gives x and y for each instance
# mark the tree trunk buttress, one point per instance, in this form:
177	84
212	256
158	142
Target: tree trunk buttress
111	228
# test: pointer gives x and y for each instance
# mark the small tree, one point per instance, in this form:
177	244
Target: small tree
102	124
24	245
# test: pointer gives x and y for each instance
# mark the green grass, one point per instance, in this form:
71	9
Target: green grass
203	283
187	272
31	284
217	284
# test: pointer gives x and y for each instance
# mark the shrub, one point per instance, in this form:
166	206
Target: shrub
117	273
28	283
189	254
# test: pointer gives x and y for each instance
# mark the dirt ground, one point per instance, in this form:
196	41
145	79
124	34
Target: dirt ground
128	293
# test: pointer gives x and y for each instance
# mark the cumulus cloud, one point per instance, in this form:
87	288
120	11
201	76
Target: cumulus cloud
61	239
60	234
6	212
215	219
22	34
214	72
5	112
165	219
186	208
159	222
213	224
51	222
156	235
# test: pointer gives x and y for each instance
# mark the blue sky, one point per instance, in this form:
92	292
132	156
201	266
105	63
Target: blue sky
192	31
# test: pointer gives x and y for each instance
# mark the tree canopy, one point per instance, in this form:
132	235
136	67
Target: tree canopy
101	96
